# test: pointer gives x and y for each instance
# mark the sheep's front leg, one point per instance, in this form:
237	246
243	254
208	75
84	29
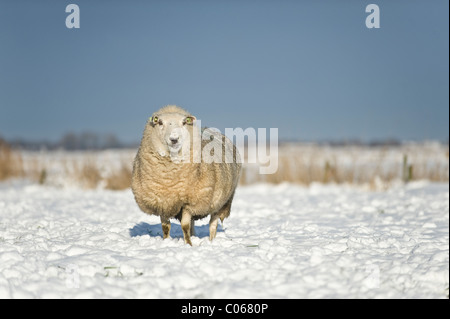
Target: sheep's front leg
165	224
186	226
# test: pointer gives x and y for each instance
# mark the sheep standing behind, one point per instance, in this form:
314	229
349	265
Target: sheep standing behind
173	179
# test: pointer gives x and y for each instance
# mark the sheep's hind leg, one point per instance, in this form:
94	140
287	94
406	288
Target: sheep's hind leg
165	224
192	227
213	226
186	221
223	213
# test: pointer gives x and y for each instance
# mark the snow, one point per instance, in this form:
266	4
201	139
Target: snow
281	241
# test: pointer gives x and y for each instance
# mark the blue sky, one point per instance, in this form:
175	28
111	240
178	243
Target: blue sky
310	68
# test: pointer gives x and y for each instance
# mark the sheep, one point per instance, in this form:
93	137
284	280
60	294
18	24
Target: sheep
171	177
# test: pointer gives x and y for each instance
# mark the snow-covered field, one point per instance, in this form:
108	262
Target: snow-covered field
281	241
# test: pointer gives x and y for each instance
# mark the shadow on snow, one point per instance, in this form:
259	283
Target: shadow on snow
155	230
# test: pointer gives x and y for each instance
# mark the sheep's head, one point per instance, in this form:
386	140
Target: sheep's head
171	130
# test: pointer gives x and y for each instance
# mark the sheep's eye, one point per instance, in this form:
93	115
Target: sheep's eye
189	120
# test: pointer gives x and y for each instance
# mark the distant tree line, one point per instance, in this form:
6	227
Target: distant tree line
88	141
73	141
95	141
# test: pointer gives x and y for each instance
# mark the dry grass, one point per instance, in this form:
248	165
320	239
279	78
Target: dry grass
377	167
10	162
120	179
110	169
87	174
36	171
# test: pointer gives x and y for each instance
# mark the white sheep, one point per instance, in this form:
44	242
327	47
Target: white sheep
173	179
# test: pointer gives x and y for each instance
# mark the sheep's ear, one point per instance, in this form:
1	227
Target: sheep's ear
189	120
153	120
